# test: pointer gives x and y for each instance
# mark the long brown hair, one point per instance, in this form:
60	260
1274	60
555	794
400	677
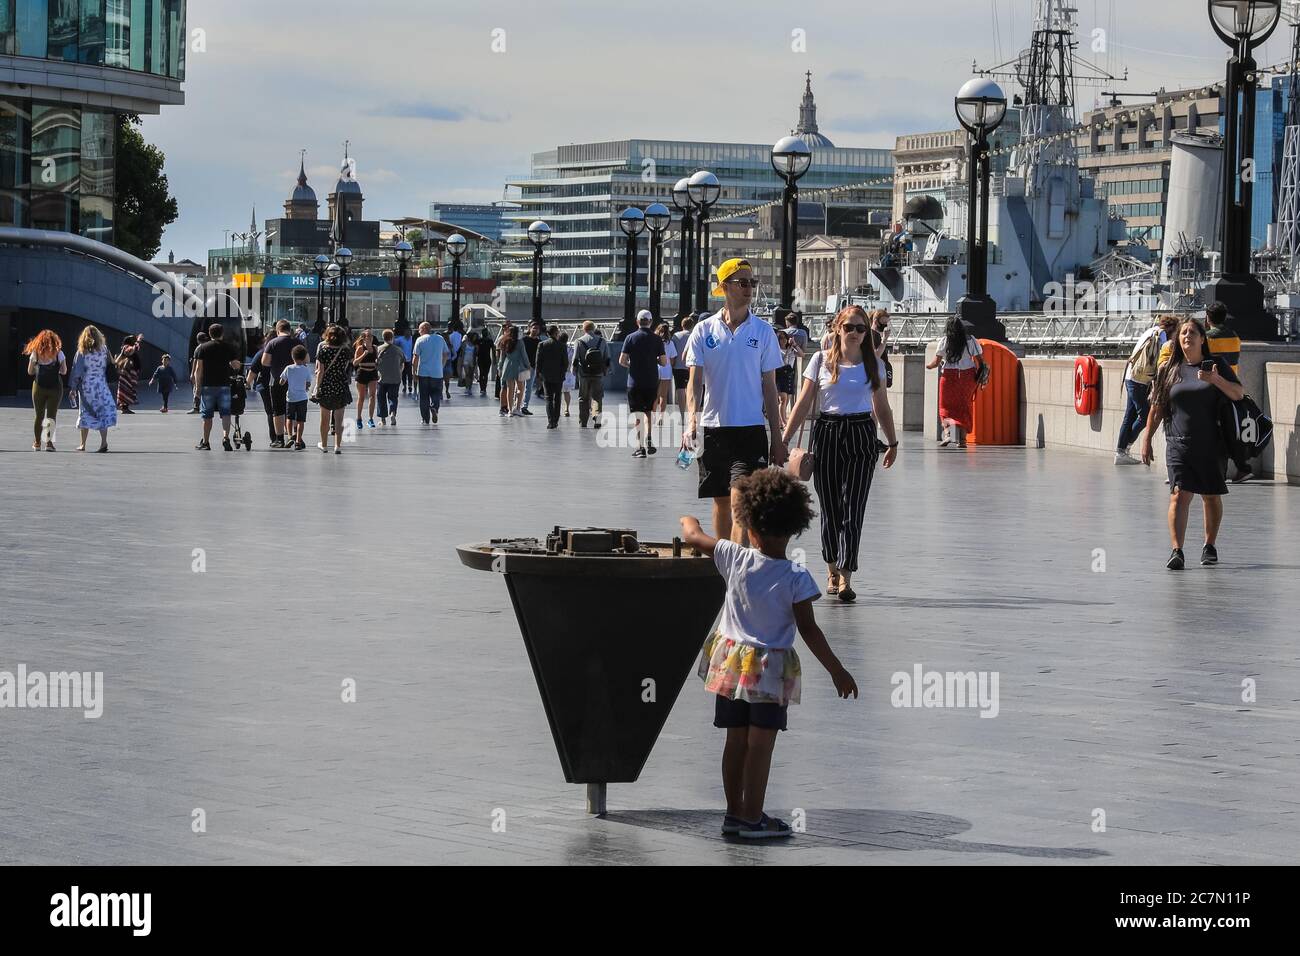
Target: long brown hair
46	344
509	339
1170	372
834	354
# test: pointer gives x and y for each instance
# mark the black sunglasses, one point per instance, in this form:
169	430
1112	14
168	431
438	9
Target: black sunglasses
860	329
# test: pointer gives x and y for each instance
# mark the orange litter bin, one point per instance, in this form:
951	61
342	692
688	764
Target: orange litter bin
997	405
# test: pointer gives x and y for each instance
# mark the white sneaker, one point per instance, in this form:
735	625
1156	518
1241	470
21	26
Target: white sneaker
1124	458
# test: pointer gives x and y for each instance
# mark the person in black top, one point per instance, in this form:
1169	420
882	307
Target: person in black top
194	364
1186	396
643	353
259	380
552	364
215	361
277	355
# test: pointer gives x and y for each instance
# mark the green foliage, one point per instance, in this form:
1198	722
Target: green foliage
144	206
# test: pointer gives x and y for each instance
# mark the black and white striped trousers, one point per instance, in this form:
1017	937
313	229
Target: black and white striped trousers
844	459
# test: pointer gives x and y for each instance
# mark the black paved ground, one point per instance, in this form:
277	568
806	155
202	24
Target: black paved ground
1119	691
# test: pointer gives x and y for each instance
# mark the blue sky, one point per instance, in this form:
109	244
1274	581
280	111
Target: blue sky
433	111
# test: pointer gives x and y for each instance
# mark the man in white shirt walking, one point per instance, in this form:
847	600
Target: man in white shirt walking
733	357
1139	372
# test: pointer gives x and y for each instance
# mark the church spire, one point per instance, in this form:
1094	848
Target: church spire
807	128
807	108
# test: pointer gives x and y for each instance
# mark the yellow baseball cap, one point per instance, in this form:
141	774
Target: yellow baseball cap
727	270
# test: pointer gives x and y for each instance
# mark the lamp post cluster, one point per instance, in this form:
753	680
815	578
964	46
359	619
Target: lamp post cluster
335	273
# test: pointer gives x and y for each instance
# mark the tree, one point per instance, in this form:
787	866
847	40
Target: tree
144	206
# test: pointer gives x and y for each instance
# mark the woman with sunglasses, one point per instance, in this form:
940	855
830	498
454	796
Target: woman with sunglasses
849	380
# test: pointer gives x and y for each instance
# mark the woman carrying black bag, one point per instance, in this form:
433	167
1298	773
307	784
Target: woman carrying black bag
847	379
1186	395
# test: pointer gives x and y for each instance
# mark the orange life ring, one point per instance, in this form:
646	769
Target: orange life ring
1087	385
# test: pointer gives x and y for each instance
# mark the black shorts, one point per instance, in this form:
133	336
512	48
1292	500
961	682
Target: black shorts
279	398
681	377
785	380
296	411
729	454
728	713
642	399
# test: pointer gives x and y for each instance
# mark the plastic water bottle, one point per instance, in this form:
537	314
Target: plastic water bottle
686	457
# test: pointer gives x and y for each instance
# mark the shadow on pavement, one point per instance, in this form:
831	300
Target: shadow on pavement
851	830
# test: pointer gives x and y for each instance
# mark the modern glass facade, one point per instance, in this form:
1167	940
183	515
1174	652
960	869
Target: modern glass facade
57	159
56	168
147	36
487	220
580	189
1270	129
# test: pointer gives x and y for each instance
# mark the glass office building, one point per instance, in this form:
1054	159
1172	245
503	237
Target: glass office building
67	69
579	190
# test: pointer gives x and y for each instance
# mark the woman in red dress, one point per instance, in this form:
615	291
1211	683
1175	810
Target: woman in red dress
961	356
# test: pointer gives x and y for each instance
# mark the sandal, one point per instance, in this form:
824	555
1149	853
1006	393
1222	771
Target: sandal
848	595
832	583
766	828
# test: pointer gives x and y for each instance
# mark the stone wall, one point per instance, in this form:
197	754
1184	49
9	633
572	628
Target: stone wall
1270	373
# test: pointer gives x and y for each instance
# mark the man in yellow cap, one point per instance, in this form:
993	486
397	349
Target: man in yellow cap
733	356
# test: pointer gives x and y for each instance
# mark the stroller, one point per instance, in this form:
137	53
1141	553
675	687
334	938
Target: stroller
238	402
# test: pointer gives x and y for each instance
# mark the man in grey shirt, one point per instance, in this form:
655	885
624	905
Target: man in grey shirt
590	370
391	362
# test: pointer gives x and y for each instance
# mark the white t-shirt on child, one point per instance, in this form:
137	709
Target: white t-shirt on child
761	594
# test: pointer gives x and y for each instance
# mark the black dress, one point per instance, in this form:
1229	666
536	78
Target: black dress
1195	454
333	391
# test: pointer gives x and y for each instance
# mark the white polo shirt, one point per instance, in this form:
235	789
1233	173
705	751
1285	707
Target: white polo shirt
733	365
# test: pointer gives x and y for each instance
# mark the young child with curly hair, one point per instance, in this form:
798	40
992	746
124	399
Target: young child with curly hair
749	662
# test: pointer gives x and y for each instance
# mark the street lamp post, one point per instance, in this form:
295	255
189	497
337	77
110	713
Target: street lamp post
705	190
341	258
539	234
657	217
403	252
791	158
981	106
321	267
632	222
686	267
332	272
1243	25
456	245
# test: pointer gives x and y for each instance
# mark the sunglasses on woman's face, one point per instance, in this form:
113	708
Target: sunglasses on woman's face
744	283
860	329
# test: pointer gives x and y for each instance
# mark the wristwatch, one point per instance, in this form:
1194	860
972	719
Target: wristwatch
894	445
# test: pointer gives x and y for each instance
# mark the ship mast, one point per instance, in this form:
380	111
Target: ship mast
1288	192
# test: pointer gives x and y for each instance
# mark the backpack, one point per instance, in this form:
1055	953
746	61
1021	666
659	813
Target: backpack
47	376
1145	362
1246	430
593	361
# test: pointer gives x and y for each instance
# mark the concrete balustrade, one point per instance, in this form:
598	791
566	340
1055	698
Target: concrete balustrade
1270	373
